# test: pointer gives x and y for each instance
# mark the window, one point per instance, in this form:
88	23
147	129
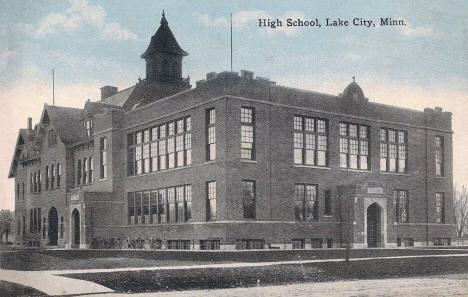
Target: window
52	138
354	146
210	244
59	174
39	181
248	199
188	202
328	202
90	171
103	161
154	207
161	147
248	133
31	183
52	176
178	244
402	206
61	227
211	134
310	141
131	208
85	171
439	155
306	204
298	244
393	150
440	208
89	127
47	178
409	241
172	214
78	173
442	241
211	200
329	243
23	191
180	203
162	206
35	182
316	243
248	244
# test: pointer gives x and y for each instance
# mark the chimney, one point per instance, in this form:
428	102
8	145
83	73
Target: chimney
29	124
108	91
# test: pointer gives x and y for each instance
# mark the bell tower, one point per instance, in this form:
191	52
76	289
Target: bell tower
164	56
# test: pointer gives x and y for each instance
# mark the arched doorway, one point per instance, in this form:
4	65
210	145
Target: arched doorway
75	227
53	226
373	225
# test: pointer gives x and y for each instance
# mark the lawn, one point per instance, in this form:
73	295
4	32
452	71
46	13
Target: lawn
88	259
214	278
8	289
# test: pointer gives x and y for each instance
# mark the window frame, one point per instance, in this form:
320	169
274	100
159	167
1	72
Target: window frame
354	153
248	151
385	150
310	131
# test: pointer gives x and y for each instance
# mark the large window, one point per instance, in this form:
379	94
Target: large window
402	206
439	155
52	137
168	145
248	199
310	141
166	205
354	146
103	161
306	204
211	200
211	134
440	207
393	150
248	133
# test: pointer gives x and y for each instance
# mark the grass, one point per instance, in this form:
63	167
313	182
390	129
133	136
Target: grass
215	278
89	259
8	289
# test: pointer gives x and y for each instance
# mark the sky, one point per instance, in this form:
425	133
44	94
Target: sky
92	43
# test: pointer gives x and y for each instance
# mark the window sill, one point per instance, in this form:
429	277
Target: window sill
394	173
328	216
441	177
209	162
355	170
103	179
249	161
311	166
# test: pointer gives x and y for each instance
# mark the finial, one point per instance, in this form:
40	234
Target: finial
163	19
354	79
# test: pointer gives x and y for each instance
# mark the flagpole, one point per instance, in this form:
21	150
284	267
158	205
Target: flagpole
231	41
53	87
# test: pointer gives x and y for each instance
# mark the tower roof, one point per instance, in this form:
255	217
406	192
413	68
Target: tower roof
163	41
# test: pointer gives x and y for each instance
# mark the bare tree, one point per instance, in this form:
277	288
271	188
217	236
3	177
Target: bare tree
461	209
6	223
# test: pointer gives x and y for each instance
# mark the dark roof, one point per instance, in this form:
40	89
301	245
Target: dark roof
119	99
353	91
164	41
67	122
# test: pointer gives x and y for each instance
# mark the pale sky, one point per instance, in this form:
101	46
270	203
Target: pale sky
95	43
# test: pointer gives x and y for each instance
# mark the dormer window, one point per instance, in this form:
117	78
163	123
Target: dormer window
52	138
89	127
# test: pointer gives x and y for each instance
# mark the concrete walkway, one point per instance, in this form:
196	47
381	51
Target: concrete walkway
51	283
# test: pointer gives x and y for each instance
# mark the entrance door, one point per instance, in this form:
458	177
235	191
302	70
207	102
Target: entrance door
373	225
76	226
53	226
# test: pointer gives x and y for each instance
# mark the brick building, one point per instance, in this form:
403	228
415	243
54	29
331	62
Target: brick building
236	162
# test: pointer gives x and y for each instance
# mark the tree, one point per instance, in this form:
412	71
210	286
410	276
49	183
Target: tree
6	223
461	209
